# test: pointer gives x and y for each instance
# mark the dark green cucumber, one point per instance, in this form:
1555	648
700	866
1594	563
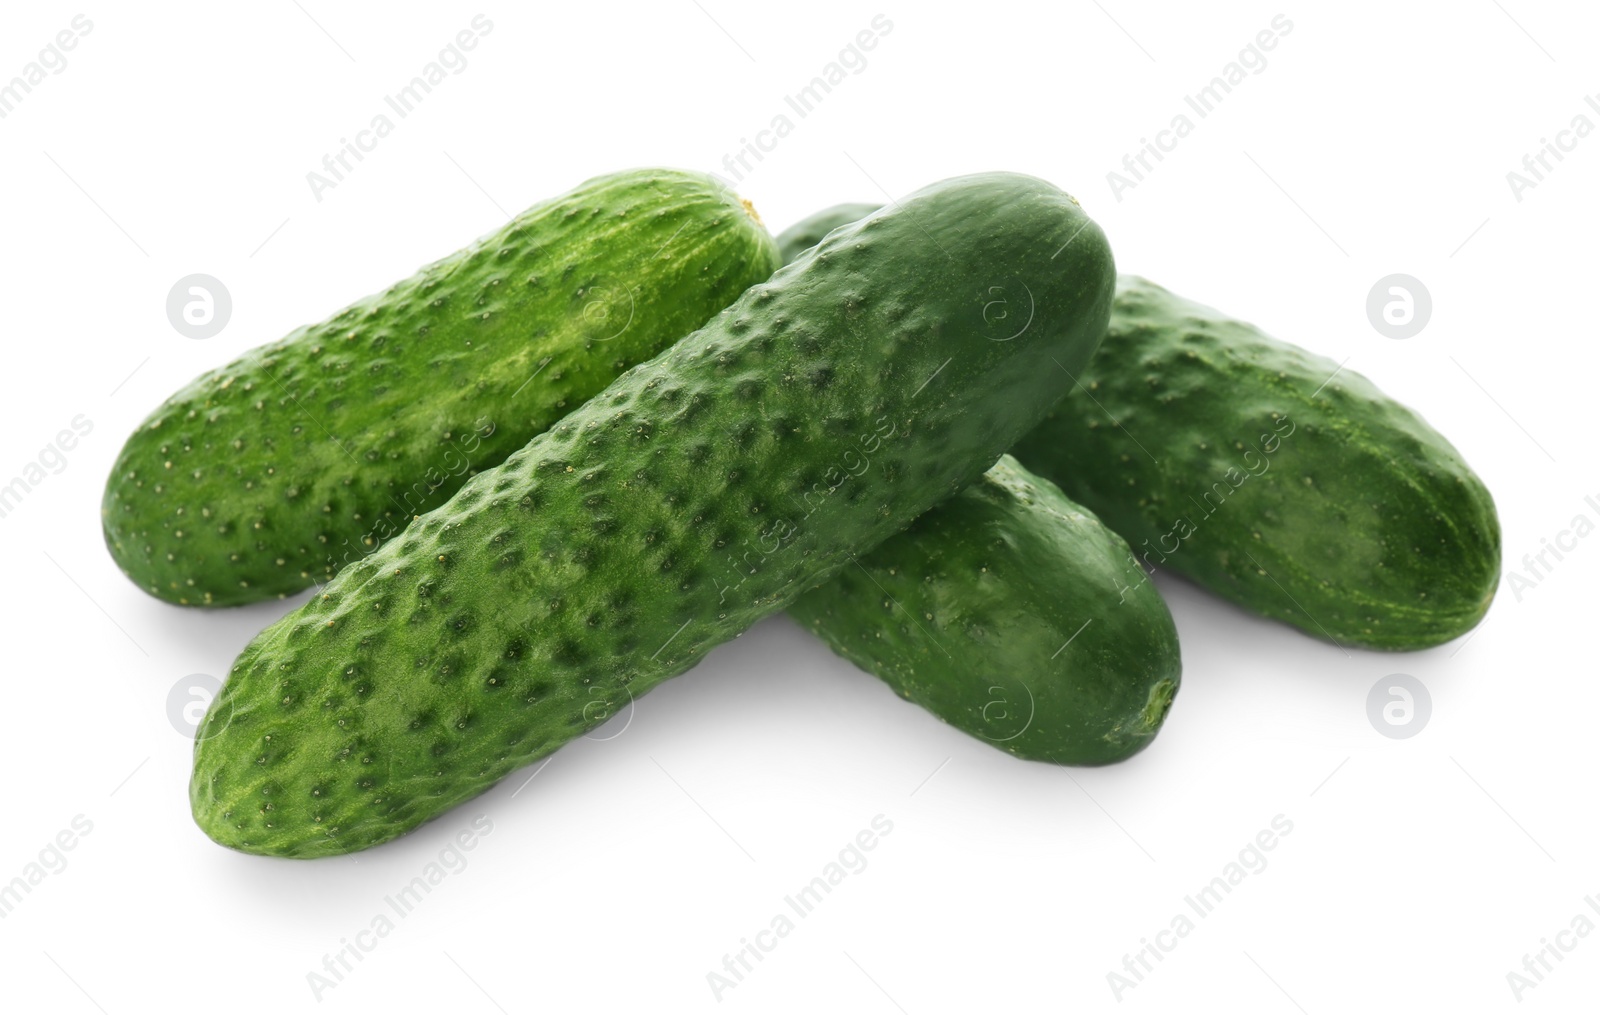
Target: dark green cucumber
809	231
1005	611
700	492
1272	477
269	474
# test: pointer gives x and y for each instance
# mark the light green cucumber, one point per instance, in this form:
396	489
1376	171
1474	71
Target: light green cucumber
267	475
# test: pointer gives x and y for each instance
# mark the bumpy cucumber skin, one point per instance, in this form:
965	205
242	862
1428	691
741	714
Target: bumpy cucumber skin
1345	514
1005	611
809	231
700	492
267	475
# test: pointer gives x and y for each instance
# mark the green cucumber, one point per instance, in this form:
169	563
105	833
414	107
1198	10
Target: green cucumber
1265	474
1272	477
809	231
1005	612
701	491
267	475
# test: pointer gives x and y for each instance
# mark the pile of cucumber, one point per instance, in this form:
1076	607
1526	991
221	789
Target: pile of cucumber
552	470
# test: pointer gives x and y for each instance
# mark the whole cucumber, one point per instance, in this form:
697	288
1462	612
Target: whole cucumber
1372	531
1272	477
267	475
1005	612
700	492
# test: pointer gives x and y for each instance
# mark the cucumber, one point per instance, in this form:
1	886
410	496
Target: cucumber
1273	478
809	231
1005	611
267	475
701	491
1265	474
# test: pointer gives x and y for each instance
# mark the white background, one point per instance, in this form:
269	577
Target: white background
1376	140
